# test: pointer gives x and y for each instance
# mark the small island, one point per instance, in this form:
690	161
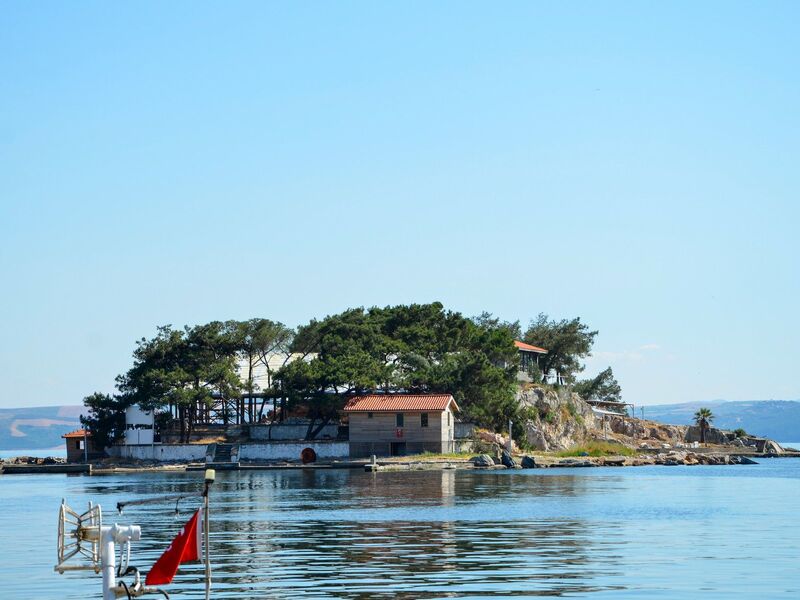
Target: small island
401	387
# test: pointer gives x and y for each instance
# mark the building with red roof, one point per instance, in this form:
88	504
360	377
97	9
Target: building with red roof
399	424
528	358
80	446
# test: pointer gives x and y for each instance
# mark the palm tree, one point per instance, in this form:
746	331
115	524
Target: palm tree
702	419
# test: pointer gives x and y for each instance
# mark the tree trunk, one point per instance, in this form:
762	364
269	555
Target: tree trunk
313	432
192	418
182	419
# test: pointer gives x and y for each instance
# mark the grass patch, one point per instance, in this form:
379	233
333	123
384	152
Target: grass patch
598	448
435	456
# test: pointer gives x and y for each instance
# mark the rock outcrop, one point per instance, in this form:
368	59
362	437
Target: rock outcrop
508	461
559	420
483	460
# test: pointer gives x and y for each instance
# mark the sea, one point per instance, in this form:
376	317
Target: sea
640	532
58	452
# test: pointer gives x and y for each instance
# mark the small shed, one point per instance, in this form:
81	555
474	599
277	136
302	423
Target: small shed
400	424
80	446
528	357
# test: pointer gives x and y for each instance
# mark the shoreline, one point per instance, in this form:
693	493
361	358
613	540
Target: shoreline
537	461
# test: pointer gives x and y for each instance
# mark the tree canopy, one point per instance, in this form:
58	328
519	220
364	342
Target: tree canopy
703	418
206	373
602	387
185	369
105	419
417	348
567	342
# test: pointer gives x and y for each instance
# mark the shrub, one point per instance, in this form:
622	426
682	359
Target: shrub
739	433
598	448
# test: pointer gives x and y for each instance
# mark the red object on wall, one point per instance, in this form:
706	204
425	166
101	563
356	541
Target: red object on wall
308	456
398	432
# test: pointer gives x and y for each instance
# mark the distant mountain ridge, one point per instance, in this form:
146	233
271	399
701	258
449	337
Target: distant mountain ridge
37	428
775	419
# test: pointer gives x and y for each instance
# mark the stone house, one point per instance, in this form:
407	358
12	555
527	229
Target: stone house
400	424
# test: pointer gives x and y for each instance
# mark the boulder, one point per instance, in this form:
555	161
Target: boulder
772	448
528	462
508	461
483	460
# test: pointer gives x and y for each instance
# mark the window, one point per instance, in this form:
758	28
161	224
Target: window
78	445
423	420
369	415
448	418
398	419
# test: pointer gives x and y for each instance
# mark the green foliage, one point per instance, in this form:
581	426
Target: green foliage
598	448
106	418
603	387
567	342
489	321
258	340
740	433
547	416
702	419
185	369
417	348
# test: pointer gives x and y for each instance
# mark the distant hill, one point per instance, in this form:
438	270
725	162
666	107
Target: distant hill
37	428
776	419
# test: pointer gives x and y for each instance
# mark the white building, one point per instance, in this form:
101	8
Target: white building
139	426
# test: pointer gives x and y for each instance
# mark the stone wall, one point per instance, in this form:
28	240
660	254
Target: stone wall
161	452
267	451
298	431
325	449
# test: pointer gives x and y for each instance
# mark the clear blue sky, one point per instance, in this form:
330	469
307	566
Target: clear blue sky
632	163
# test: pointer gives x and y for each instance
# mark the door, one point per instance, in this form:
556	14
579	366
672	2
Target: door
398	448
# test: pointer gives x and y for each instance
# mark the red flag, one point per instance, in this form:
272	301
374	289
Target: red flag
184	548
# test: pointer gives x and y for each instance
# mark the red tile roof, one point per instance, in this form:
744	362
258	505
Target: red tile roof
400	402
529	348
78	433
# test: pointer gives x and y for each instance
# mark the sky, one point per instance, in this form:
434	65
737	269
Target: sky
631	163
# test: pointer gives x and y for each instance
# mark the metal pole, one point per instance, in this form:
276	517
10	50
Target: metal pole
85	446
209	479
510	441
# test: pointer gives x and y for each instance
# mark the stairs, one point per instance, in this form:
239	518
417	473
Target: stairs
222	456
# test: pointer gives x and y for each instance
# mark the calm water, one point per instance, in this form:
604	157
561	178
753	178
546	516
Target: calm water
647	532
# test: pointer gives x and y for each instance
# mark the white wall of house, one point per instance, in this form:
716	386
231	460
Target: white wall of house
261	375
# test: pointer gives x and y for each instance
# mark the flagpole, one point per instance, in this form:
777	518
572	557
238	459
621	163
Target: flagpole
209	479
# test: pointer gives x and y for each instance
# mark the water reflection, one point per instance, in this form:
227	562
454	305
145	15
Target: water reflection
334	533
436	534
